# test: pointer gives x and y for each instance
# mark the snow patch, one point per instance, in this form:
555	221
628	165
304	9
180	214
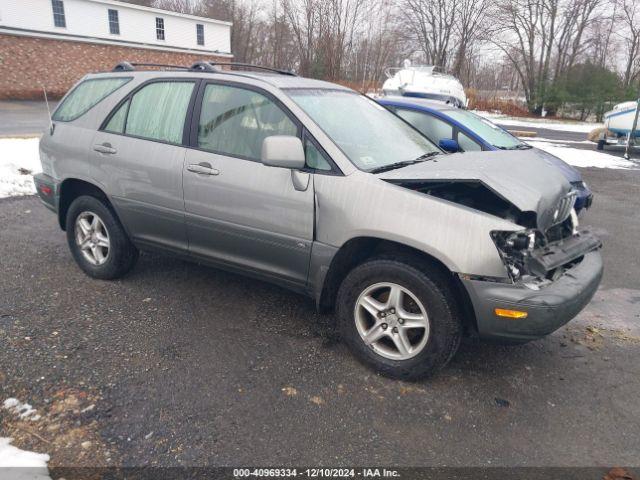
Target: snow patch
23	411
19	160
584	158
16	464
548	124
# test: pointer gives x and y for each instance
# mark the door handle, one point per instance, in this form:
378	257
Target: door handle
203	168
105	148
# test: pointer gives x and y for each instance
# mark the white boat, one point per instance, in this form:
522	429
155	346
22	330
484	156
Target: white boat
619	121
424	82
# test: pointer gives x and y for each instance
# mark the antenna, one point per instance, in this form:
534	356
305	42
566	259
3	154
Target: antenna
46	100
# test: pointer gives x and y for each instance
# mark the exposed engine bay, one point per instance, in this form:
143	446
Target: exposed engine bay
531	256
474	195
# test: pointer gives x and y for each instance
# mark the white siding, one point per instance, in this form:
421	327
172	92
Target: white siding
89	18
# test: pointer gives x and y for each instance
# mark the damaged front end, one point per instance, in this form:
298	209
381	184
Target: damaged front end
536	259
549	243
549	269
553	268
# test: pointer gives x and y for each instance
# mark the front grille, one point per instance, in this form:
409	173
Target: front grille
563	210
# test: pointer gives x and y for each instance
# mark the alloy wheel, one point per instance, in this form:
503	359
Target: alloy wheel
392	321
93	238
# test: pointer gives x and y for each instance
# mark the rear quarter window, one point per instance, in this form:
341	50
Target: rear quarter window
85	96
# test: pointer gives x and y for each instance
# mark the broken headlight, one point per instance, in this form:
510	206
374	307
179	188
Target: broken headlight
514	249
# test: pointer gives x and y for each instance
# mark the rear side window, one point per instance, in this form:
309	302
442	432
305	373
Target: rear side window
156	112
118	119
235	121
86	96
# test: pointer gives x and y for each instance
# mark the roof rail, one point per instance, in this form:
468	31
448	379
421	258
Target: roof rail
131	67
211	67
201	66
256	67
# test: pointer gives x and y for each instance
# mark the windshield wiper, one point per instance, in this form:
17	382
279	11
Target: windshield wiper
521	146
393	166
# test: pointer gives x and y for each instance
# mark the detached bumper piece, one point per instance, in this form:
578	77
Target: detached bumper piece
547	259
48	191
546	309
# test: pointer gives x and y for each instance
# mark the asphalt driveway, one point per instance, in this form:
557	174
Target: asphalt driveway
179	364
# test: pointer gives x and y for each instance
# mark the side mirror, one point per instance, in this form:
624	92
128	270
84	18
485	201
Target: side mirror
283	151
449	145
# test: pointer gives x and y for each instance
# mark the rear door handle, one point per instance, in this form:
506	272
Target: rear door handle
203	168
105	148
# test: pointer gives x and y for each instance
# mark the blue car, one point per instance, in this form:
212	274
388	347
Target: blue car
457	130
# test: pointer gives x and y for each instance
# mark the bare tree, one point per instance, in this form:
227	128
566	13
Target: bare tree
472	27
601	33
378	47
535	33
571	41
339	36
182	6
431	24
352	41
629	18
303	17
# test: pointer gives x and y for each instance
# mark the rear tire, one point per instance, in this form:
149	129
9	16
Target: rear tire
98	242
410	341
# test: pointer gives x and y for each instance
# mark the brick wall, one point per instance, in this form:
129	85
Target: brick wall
27	63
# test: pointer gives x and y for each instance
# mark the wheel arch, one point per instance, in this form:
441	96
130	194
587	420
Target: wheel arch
358	250
72	188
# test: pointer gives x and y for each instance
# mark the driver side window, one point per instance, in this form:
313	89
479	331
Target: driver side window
467	144
431	127
235	121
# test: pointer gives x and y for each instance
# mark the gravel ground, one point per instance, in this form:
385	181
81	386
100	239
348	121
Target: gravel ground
179	364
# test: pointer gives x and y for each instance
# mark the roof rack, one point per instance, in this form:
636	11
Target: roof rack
131	67
200	66
247	66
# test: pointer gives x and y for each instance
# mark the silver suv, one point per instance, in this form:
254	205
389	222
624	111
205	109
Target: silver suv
317	188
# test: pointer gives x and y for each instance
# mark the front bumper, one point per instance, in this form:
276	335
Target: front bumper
548	308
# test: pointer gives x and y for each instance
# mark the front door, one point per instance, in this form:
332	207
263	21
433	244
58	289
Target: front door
141	153
240	212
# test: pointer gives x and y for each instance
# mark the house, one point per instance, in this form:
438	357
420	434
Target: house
53	43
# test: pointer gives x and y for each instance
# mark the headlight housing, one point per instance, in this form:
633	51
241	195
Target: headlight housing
515	247
580	185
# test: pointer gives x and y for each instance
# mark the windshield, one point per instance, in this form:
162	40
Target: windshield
489	132
368	134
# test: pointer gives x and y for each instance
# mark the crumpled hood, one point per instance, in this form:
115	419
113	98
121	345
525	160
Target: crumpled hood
569	172
526	178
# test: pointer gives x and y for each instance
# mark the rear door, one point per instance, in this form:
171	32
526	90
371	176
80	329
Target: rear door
141	148
240	212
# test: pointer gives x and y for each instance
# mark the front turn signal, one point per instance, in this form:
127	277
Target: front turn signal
513	314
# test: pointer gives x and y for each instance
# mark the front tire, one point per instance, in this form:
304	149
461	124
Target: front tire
400	320
97	240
